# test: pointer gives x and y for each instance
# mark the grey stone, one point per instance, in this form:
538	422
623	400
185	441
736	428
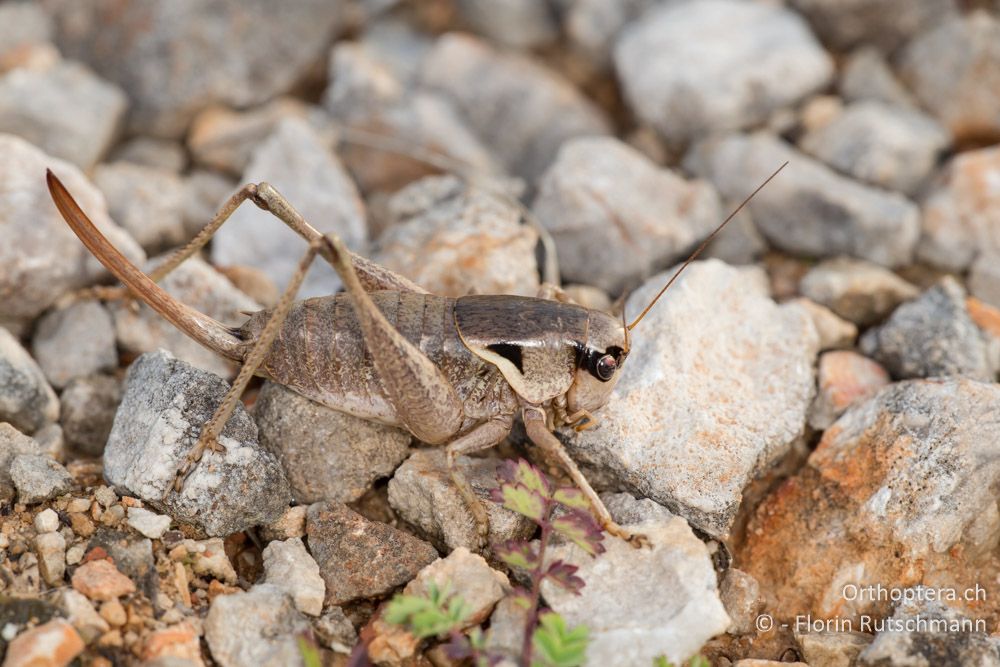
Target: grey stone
749	60
198	285
147	201
50	439
35	104
26	399
51	551
464	240
151	152
951	637
359	558
38	478
335	631
22	25
173	60
165	406
289	566
422	493
626	509
40	257
204	193
834	331
485	85
75	341
931	336
366	96
741	596
400	45
731	351
616	217
12	443
327	455
867	76
959	216
741	243
953	69
257	627
832	649
592	26
518	24
627	625
858	291
883	23
88	410
507	623
808	209
295	161
225	139
984	279
891	147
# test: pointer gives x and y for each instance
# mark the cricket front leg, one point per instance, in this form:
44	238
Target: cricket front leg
483	436
538	432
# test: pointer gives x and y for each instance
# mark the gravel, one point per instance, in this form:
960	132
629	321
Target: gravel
749	60
165	404
616	217
75	341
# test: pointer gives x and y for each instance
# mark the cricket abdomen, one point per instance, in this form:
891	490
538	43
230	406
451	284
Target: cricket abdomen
320	353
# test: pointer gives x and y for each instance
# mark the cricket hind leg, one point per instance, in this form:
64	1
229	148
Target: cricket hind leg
209	437
483	436
539	433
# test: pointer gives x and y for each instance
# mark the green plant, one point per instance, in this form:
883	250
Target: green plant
696	661
548	642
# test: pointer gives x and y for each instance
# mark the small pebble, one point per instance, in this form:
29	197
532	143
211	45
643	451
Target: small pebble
150	524
101	580
289	566
113	612
51	551
54	644
38	478
47	521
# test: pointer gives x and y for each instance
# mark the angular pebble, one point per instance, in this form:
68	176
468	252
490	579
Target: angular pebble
359	558
959	217
462	240
257	627
891	147
616	606
858	291
101	580
700	412
161	54
953	69
165	406
834	331
866	75
897	492
484	84
51	551
327	455
41	258
38	478
749	60
88	410
296	162
844	378
616	217
34	104
422	493
931	336
147	201
54	644
809	209
12	443
883	23
836	649
81	613
335	631
150	524
741	596
289	566
75	341
200	286
27	401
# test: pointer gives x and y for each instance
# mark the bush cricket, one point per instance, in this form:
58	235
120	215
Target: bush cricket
452	371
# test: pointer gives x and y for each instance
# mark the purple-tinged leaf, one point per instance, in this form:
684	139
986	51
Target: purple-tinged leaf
564	575
523	501
571	498
521	597
524	474
581	529
517	554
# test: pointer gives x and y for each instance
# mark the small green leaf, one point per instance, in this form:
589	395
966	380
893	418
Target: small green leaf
557	646
581	529
431	616
524	501
699	661
308	651
661	661
571	498
517	554
524	474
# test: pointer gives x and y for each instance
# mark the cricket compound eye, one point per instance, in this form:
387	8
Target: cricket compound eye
605	367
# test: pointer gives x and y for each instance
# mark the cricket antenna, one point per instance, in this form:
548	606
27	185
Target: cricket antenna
701	247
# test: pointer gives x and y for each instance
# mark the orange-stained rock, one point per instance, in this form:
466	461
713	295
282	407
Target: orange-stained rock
101	580
53	644
844	378
177	641
984	315
900	491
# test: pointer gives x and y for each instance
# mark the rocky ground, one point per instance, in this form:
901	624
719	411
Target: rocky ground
807	428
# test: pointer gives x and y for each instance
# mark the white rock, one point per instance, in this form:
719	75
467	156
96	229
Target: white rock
147	201
748	60
210	559
289	566
628	625
716	387
47	521
150	524
51	551
297	163
81	613
259	627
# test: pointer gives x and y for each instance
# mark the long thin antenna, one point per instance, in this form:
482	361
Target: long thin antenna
703	245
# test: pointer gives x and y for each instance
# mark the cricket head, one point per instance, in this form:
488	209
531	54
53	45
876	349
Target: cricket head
599	361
